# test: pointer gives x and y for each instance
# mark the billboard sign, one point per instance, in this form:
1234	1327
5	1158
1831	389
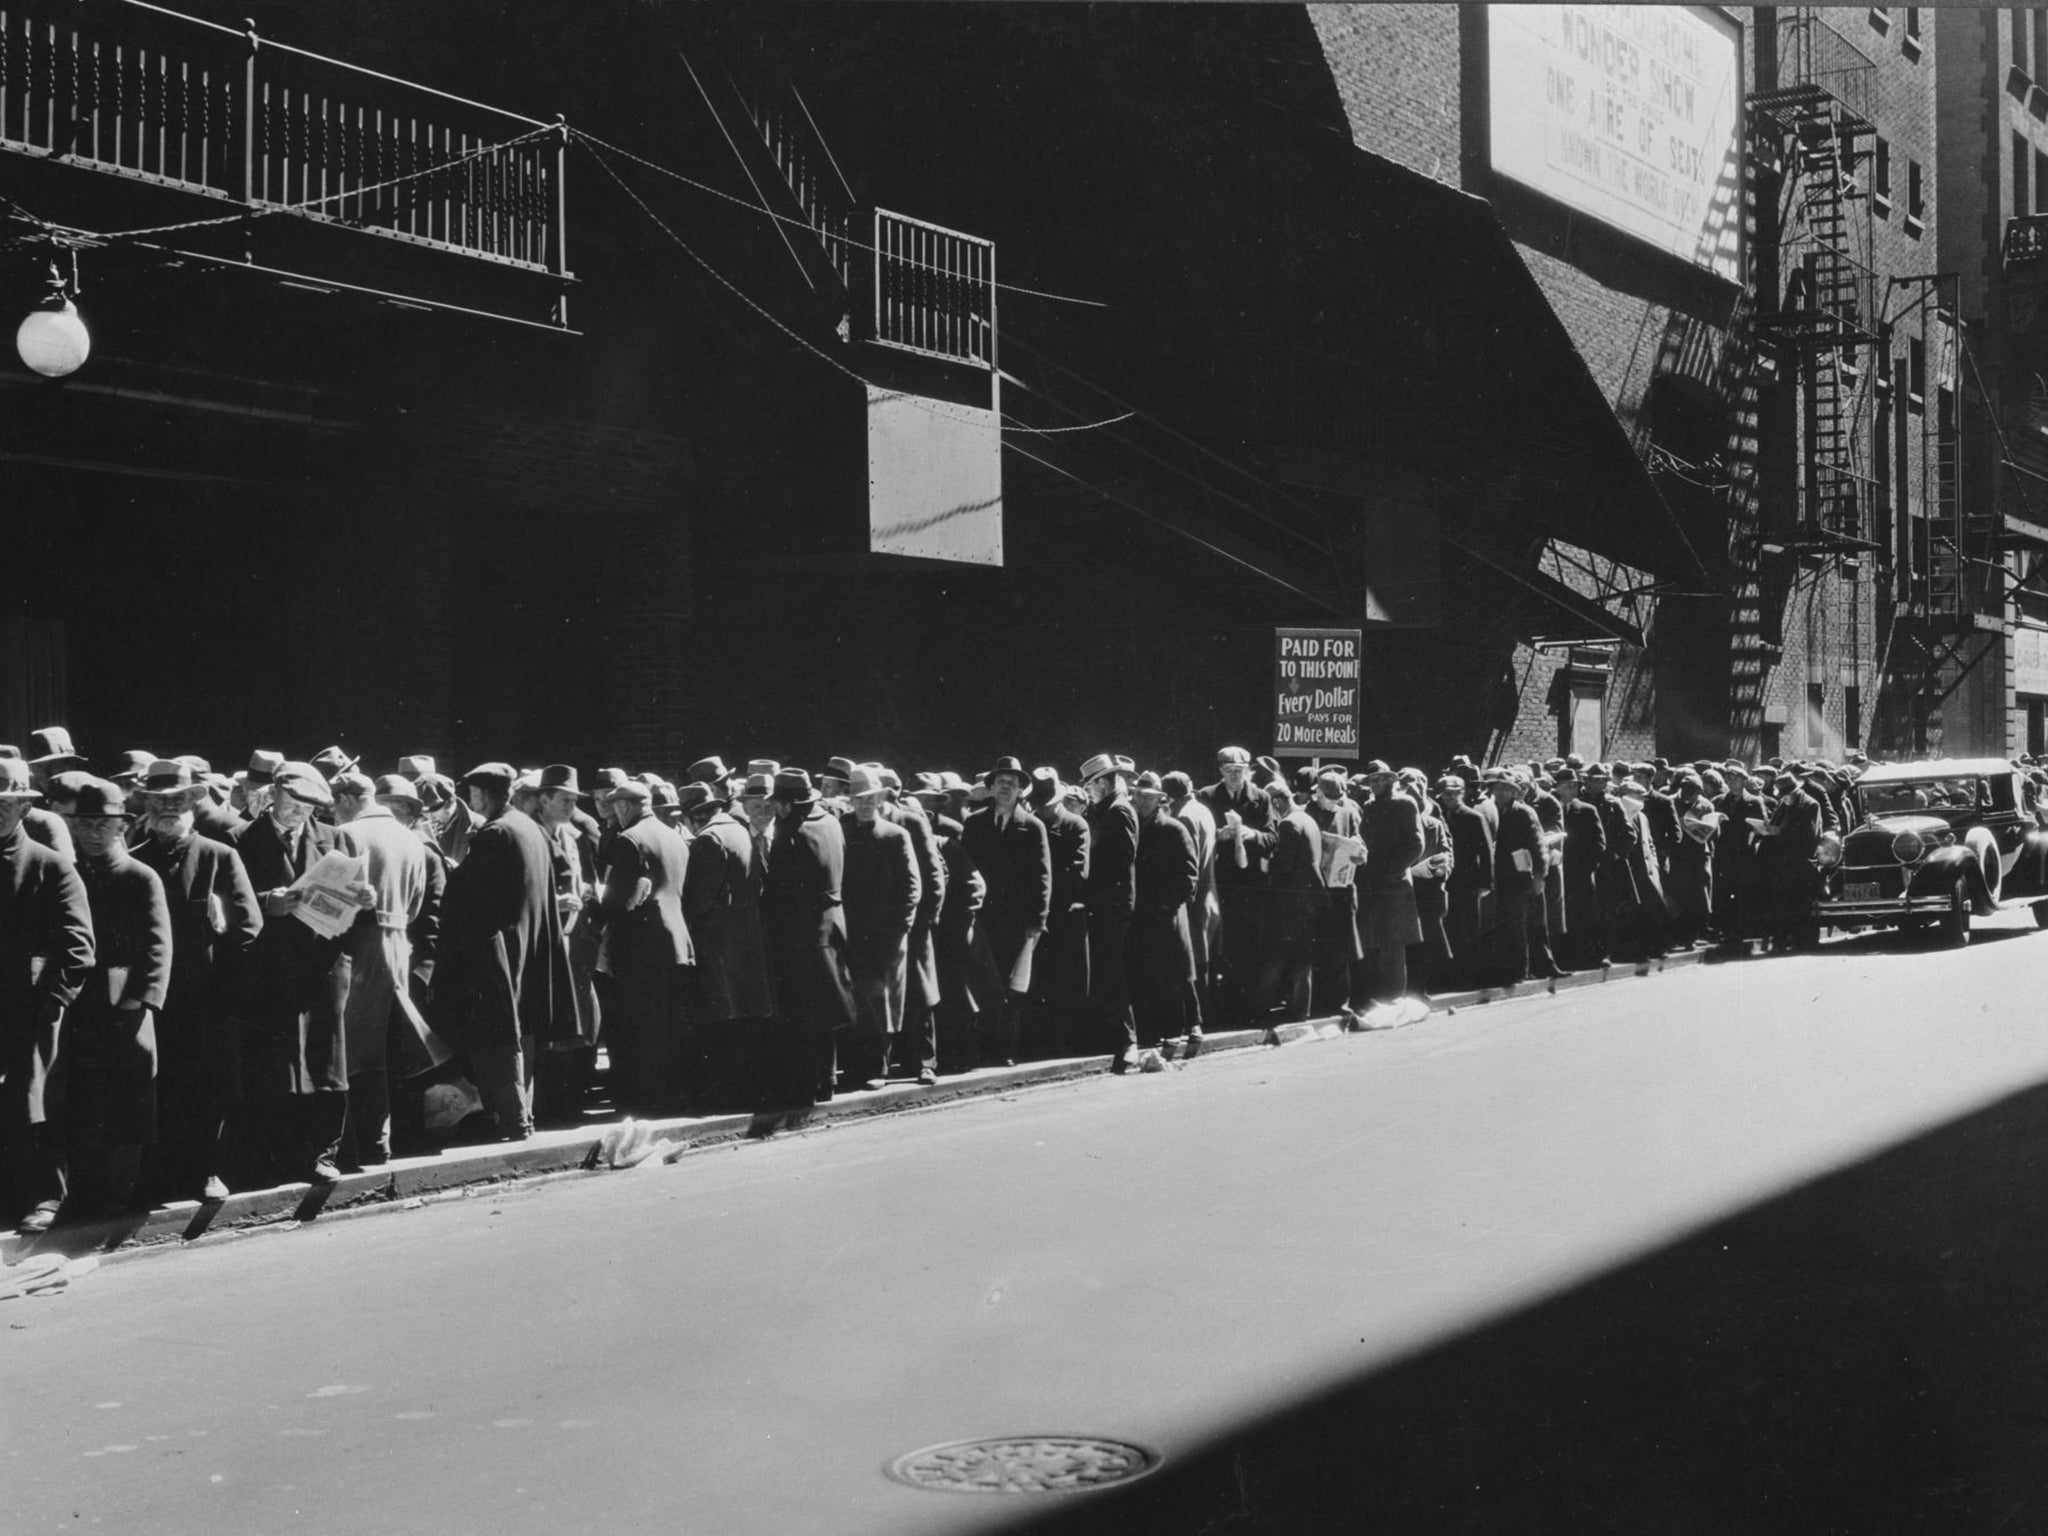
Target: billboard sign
1316	679
935	478
1629	113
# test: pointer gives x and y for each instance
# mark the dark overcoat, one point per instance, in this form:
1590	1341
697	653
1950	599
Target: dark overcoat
882	890
802	904
215	919
1059	969
1016	860
722	904
922	972
1158	955
46	953
504	970
108	1064
297	982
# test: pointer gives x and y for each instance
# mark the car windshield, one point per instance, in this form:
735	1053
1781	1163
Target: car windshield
1920	795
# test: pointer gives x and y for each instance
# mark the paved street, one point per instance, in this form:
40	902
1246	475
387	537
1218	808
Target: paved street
1753	1247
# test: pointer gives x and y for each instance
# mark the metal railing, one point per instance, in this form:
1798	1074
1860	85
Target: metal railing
134	90
934	290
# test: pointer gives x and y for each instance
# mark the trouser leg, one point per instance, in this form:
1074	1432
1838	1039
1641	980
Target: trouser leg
369	1118
503	1085
320	1119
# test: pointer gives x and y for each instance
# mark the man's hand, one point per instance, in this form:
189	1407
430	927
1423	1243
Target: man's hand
280	902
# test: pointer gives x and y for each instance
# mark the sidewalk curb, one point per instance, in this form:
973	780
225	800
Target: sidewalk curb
460	1172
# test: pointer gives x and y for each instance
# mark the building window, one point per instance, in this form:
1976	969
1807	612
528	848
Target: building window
1909	45
1915	209
2021	201
1916	374
1852	715
1881	179
1880	19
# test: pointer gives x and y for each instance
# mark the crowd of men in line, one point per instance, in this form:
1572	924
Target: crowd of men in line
176	1018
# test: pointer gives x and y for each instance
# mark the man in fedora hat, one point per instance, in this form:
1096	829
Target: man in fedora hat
732	999
331	761
1470	882
40	824
295	1053
645	951
1111	894
1234	803
1056	1022
1204	914
1009	845
109	1047
214	923
1519	861
883	890
388	1037
1388	918
802	906
503	978
51	753
46	954
1291	848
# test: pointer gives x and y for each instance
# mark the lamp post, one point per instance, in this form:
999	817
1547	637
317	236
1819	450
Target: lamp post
52	340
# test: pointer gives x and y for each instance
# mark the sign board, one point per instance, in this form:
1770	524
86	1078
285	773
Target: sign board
1315	692
935	478
2030	660
1629	113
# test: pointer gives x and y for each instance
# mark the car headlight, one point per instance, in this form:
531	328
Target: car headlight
1829	853
1907	847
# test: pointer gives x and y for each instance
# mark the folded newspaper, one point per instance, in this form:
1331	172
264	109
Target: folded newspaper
327	901
1341	857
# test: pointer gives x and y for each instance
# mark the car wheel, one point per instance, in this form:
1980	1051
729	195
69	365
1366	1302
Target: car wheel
1955	922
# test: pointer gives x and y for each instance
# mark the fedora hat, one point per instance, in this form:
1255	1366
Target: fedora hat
52	745
840	768
707	770
168	776
927	784
890	778
793	787
99	799
559	776
134	764
636	790
1097	766
496	775
1233	757
332	760
665	798
14	781
863	780
696	796
1011	766
263	766
416	766
766	765
757	786
1045	786
396	786
1147	783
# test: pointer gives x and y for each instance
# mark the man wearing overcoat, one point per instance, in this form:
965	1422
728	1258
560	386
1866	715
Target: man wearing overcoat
1111	891
883	890
1009	845
802	904
647	945
733	998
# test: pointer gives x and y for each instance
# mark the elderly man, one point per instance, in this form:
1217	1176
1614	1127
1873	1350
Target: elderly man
1158	956
802	903
647	945
734	999
214	923
503	978
1290	847
1111	894
295	1060
386	1033
46	954
109	1052
1009	845
882	890
1241	878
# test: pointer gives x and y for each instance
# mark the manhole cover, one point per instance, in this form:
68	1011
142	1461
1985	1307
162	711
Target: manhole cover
1024	1464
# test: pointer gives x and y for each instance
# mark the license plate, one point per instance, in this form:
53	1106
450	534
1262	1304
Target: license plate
1861	890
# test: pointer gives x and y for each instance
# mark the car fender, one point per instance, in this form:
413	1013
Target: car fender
2028	875
1937	874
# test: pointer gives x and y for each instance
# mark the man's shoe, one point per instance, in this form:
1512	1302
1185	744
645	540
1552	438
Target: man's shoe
323	1173
216	1190
1193	1048
875	1084
1120	1063
927	1078
39	1220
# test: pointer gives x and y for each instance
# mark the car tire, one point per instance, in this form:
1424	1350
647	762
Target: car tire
1954	931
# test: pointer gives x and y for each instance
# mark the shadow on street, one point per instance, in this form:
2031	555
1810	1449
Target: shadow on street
1868	1355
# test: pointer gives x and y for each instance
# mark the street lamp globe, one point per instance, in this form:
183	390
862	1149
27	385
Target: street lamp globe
53	342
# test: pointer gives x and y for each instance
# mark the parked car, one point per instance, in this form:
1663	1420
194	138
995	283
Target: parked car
1936	842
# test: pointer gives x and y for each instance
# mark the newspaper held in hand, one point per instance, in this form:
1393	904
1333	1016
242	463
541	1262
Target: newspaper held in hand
327	899
1341	857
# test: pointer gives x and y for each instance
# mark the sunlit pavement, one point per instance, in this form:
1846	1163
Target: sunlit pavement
1509	1215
